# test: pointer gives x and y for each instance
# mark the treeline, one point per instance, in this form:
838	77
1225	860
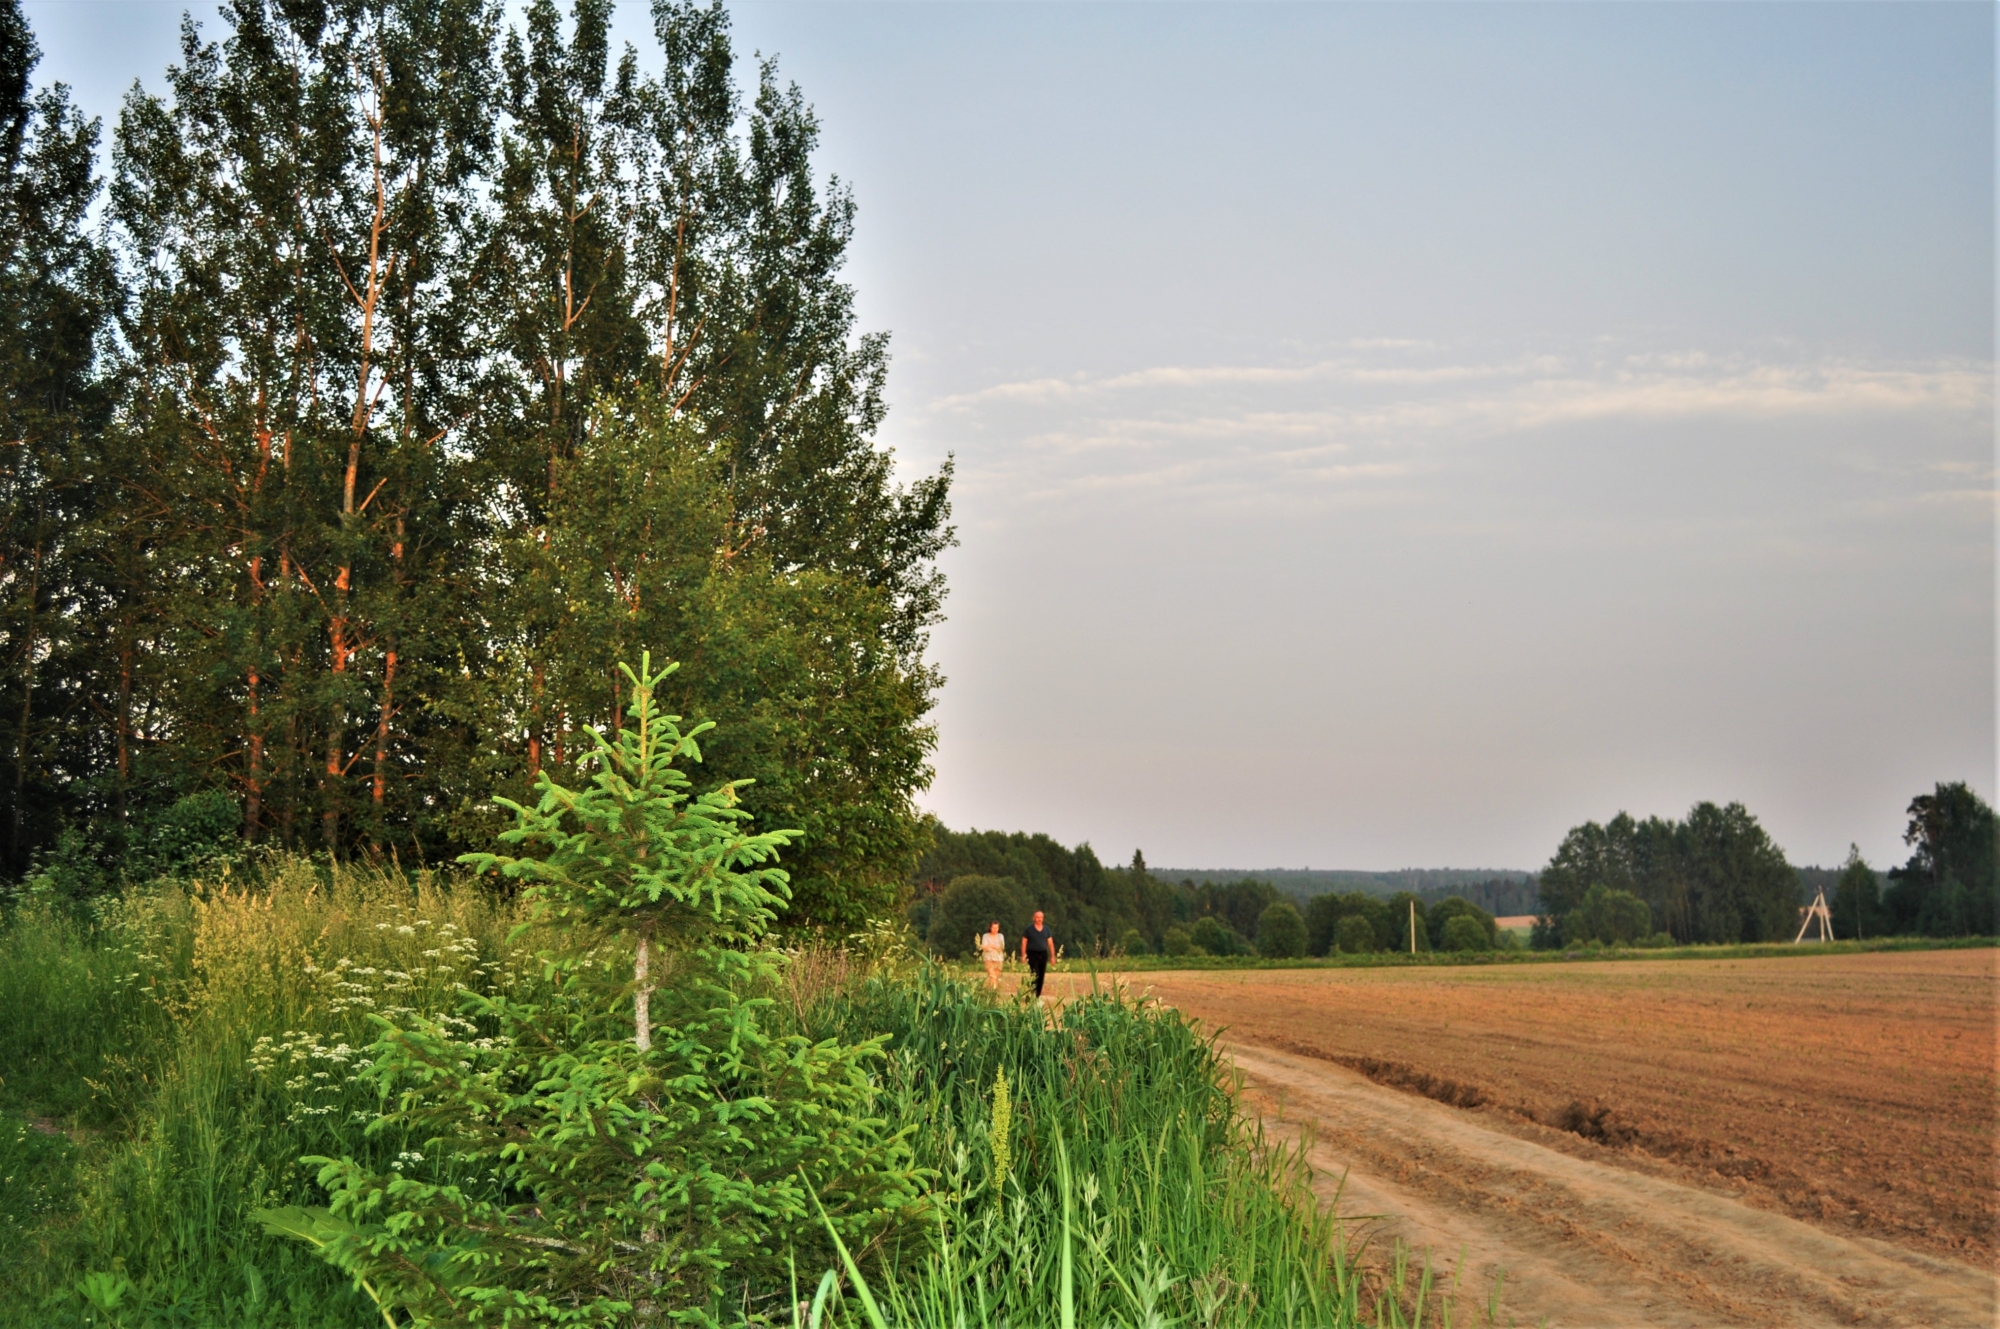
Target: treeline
968	879
420	366
1302	884
1716	876
1504	897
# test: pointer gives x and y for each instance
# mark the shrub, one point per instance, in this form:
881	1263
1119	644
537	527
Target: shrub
1214	937
1134	943
1463	933
968	906
1401	906
1281	933
572	1169
1177	941
1354	935
1439	916
1325	912
1611	916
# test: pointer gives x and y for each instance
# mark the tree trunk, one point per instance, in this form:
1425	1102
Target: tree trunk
381	783
642	999
253	802
27	711
124	719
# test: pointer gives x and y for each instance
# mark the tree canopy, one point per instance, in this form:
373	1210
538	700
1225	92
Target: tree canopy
426	363
1715	876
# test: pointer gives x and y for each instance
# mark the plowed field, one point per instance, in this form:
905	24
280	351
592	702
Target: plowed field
1801	1140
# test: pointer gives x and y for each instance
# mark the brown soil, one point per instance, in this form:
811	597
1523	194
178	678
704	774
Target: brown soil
1771	1141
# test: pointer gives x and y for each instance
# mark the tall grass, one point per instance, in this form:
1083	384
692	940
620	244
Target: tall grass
197	1042
193	1043
1137	1194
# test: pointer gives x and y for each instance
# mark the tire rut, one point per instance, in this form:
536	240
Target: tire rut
1581	1242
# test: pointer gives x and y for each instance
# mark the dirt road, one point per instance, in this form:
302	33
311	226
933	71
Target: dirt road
1650	1144
1585	1243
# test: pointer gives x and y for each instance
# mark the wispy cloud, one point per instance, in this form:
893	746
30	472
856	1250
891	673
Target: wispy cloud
1386	414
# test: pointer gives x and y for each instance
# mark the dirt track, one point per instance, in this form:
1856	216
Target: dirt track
1648	1144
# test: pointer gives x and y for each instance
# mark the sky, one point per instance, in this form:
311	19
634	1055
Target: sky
1389	435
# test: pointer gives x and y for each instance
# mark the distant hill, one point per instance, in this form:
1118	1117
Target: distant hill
1497	890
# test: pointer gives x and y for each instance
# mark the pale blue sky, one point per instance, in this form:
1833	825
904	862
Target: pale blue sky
1390	434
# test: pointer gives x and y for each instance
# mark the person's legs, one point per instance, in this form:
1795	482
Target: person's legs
1040	964
993	974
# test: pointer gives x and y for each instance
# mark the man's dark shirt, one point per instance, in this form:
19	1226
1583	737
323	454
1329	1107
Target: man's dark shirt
1039	941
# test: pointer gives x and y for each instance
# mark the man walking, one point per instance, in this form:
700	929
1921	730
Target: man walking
1036	950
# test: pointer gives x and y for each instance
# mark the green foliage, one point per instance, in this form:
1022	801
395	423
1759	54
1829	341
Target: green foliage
634	850
58	295
1281	933
972	903
1085	905
205	1037
1951	884
1354	935
1214	937
37	1178
451	362
1438	917
1856	904
1238	904
1406	911
1177	942
1325	913
1616	918
1134	943
1462	932
1714	877
244	998
579	1169
1136	1191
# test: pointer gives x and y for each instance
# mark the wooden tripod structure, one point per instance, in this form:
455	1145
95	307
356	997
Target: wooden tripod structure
1817	910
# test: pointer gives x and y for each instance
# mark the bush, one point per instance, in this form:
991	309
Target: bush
1281	933
1325	912
1354	935
1177	941
1400	907
1614	917
1214	937
969	906
1463	933
567	1167
1134	943
1440	915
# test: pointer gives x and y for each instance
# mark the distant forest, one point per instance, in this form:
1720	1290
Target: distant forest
1502	892
971	878
1713	876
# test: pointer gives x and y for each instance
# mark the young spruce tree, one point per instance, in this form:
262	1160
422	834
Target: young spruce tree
616	1152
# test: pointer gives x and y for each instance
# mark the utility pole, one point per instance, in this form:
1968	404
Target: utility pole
1816	912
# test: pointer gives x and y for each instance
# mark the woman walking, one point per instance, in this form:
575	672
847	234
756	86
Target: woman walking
993	950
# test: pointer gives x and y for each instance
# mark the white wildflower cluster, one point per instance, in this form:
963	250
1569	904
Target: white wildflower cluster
435	963
313	1073
422	967
138	941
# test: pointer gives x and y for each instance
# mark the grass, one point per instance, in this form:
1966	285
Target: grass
170	1057
192	1045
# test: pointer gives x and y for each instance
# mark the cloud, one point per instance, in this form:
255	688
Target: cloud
1386	414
